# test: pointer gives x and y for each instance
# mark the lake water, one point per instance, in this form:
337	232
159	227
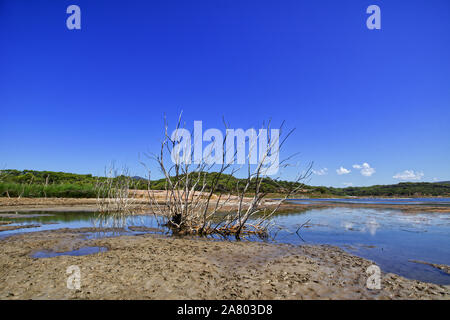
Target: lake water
389	237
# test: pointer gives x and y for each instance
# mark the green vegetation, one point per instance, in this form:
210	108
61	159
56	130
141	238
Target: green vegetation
51	191
404	189
29	183
37	184
228	182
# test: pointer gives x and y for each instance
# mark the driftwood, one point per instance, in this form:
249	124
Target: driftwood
190	205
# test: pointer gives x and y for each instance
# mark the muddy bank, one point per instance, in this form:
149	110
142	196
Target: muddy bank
57	204
21	216
406	208
156	267
9	228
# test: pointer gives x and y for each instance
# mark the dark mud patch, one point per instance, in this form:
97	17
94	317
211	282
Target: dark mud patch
144	229
443	267
23	215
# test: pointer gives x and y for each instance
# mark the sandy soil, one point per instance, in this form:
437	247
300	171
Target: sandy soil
141	205
157	267
56	204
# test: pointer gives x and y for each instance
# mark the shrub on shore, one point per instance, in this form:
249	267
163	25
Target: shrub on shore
65	190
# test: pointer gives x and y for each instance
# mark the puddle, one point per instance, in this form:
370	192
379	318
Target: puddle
79	252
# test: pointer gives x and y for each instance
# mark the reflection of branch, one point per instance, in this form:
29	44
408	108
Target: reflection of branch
114	194
297	232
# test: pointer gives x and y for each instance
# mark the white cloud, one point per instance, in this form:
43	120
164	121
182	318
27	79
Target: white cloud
372	226
347	184
409	175
342	171
365	169
320	172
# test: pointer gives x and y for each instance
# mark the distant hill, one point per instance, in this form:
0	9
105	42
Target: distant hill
138	178
404	189
40	183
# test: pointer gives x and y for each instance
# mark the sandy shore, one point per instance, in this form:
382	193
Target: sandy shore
157	267
46	204
141	205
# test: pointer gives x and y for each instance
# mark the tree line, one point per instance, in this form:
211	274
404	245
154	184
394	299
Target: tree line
31	183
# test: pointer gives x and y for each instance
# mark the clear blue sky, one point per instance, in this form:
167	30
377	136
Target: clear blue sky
74	100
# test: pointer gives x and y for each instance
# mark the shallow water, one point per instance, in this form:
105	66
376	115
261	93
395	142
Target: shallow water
389	237
395	201
79	252
51	220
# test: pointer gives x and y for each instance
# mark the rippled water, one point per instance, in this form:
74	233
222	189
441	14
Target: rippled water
389	237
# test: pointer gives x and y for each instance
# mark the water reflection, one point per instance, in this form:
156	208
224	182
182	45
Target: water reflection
390	238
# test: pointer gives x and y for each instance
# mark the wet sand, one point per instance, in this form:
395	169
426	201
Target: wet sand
157	267
9	228
47	204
